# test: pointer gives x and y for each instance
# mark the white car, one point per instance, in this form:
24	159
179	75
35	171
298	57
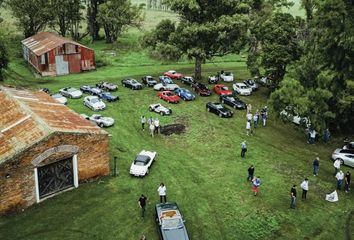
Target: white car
141	164
99	120
158	108
346	156
287	113
60	98
96	91
227	77
163	87
242	89
70	92
94	103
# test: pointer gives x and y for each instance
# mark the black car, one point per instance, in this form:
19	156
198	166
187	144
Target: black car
170	222
232	101
189	81
132	83
219	109
202	89
149	81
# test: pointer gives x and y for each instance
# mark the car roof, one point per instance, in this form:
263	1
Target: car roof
142	158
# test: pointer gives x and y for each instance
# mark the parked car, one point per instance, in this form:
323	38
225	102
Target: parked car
189	81
170	222
165	80
290	114
242	89
141	164
202	89
346	156
149	81
173	74
107	86
221	89
100	120
60	98
168	96
169	87
233	101
132	84
185	94
219	109
158	108
108	97
46	90
85	89
349	145
226	76
70	92
94	103
212	79
251	84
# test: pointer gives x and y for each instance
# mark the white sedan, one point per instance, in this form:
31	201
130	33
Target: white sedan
227	76
346	156
70	92
163	87
140	166
59	98
242	89
94	103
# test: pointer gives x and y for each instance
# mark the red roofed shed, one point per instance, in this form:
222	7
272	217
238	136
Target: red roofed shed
50	55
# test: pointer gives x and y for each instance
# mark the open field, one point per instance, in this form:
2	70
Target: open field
201	168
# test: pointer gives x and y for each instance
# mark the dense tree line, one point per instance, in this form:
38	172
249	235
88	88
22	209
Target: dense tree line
3	53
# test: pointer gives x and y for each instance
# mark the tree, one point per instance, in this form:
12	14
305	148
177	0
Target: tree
32	15
309	6
206	29
3	58
116	15
92	22
275	45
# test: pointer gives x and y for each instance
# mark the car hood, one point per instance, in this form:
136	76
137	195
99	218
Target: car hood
107	120
163	109
61	100
76	93
98	104
175	234
137	169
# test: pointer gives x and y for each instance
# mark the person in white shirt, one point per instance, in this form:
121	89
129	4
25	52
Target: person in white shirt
157	125
152	129
340	177
248	128
305	187
336	166
162	192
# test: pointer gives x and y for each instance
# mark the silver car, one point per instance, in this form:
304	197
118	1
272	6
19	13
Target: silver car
94	103
346	156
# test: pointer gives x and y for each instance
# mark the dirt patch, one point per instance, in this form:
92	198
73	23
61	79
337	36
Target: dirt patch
175	128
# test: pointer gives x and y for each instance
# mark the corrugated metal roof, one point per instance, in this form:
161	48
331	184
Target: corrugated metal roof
27	117
45	41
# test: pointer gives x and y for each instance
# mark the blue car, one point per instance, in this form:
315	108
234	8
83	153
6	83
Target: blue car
108	97
185	94
165	80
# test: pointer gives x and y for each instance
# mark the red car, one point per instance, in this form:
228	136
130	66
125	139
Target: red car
173	74
168	96
221	89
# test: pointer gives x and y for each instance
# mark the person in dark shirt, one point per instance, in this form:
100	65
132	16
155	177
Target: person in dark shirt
142	203
347	181
316	165
293	197
250	173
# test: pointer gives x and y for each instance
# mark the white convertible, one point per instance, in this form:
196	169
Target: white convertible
70	92
158	108
94	103
227	77
242	89
59	98
99	120
141	164
163	87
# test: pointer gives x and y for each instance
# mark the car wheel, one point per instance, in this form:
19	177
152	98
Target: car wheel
70	96
222	101
235	106
208	109
124	85
341	161
220	115
150	109
161	89
168	101
101	125
162	113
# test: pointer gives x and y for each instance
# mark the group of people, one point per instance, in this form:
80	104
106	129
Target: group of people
293	193
341	177
312	135
154	125
143	199
253	120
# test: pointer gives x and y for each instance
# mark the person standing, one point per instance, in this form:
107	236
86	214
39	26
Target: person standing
250	173
255	120
249	116
142	203
312	136
249	108
157	125
305	187
339	177
243	149
347	178
162	192
248	127
256	182
152	129
336	166
293	197
264	117
143	121
316	166
326	135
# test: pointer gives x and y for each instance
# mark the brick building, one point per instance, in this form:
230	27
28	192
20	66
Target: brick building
45	148
50	54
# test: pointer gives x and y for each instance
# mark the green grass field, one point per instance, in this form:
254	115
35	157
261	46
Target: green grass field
201	168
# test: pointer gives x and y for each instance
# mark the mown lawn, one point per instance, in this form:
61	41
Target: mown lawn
201	168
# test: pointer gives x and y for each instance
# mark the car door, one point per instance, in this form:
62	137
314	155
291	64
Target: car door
349	160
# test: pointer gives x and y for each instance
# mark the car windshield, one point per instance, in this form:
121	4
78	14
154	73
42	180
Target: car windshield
219	106
139	163
242	87
97	117
107	94
72	89
227	74
202	86
168	81
57	95
231	99
133	81
224	88
95	100
169	94
171	222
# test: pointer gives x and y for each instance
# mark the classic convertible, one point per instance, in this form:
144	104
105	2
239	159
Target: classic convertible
141	164
99	120
221	89
158	108
168	96
94	103
132	84
173	74
185	94
219	109
70	92
107	86
202	89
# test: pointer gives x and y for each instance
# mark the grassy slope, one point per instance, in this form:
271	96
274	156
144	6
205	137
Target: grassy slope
201	168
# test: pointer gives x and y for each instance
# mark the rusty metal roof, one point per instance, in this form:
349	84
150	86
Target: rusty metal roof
45	41
26	117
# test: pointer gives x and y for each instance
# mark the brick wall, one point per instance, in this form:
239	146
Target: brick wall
18	189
